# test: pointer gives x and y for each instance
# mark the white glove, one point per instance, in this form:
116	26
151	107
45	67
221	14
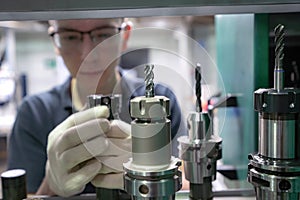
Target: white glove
72	149
119	152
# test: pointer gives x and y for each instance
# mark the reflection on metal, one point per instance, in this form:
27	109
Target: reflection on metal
277	138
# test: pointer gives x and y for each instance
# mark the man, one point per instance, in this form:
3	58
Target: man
61	149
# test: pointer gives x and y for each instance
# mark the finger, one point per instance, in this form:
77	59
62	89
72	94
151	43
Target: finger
83	152
119	129
106	170
114	164
112	181
80	134
87	115
83	175
117	147
79	118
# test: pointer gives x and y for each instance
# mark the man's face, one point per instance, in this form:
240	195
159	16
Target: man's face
80	49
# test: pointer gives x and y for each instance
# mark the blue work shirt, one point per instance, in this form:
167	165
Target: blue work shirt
39	114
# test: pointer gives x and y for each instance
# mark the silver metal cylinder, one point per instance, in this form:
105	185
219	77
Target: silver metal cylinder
195	172
151	132
200	152
198	125
148	184
279	79
151	173
278	137
152	141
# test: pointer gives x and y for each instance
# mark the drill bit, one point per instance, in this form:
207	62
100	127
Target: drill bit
198	87
279	45
149	76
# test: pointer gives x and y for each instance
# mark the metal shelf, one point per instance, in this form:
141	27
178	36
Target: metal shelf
71	9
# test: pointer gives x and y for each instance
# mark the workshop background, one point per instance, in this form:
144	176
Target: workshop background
29	65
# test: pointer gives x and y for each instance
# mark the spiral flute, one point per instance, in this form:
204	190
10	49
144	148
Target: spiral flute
279	45
149	76
198	87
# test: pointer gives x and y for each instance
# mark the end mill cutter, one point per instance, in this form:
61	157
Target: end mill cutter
151	173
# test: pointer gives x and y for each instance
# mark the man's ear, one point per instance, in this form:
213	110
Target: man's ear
127	27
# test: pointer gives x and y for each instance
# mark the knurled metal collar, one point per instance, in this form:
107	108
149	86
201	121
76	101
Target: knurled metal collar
156	107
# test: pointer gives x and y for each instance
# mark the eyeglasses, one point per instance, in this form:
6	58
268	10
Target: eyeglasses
70	39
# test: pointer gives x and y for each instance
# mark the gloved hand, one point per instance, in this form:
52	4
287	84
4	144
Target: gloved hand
119	152
72	149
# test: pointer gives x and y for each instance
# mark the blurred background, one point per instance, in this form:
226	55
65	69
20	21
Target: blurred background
234	50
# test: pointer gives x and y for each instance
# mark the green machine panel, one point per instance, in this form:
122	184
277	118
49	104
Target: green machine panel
242	59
